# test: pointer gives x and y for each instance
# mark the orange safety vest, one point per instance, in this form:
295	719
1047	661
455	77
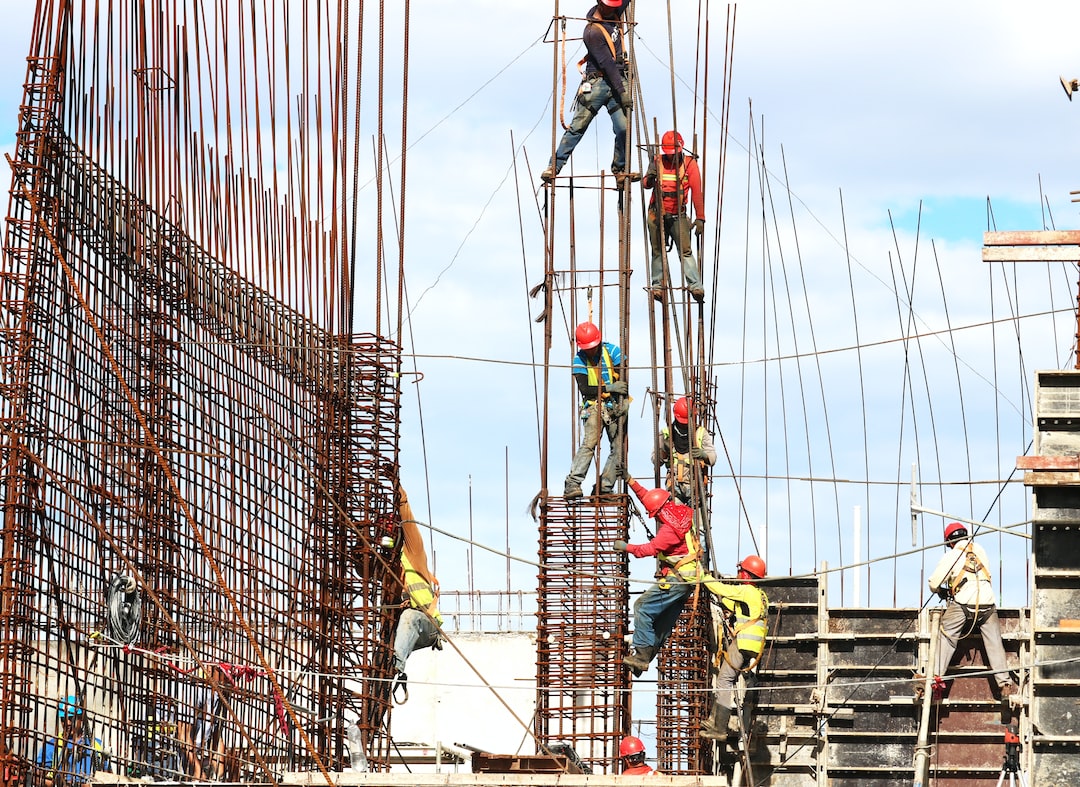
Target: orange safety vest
674	183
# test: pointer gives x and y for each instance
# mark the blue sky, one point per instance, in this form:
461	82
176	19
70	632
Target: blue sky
880	108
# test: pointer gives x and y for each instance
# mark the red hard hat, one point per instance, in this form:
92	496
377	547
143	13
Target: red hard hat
753	565
630	745
681	410
654	500
953	528
671	143
587	336
611	3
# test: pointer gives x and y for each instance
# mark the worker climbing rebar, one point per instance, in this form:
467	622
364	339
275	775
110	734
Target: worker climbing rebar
606	83
675	172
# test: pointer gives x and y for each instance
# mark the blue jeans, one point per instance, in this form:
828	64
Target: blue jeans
415	631
677	227
594	422
587	107
657	610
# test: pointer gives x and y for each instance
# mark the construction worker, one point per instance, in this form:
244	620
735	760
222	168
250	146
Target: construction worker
676	547
962	578
678	176
632	755
603	407
745	612
679	453
420	624
605	84
74	756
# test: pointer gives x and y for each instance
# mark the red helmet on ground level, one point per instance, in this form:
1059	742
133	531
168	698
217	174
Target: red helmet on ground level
681	410
587	336
654	500
630	745
955	530
753	565
671	143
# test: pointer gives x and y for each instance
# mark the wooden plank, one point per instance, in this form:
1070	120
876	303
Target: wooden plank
1050	478
1031	238
1031	253
1071	462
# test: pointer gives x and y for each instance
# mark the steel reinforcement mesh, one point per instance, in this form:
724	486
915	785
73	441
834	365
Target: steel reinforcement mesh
683	695
583	690
194	478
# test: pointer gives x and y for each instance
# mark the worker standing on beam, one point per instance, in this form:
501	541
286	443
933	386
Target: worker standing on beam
606	83
962	579
745	610
679	553
682	455
604	404
677	174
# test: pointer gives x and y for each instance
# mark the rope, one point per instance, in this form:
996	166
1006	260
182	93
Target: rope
124	607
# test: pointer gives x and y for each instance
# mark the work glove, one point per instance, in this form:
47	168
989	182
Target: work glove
619	388
943	594
619	546
699	453
626	102
699	227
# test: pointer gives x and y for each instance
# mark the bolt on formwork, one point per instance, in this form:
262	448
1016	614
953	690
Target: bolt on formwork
583	689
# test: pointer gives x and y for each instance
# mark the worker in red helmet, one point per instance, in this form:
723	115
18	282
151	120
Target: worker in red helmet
632	755
744	624
605	83
686	458
679	553
677	174
604	404
962	578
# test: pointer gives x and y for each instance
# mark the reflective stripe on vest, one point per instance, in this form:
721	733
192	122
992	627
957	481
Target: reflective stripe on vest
594	371
671	181
749	631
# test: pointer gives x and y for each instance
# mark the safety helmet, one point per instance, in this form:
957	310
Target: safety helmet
681	410
69	707
611	3
955	530
753	565
671	143
654	500
587	336
630	745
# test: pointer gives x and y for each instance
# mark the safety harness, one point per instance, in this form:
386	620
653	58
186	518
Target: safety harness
972	565
681	463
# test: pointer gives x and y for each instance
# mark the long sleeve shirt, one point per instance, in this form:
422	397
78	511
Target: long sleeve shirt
670	540
965	566
599	59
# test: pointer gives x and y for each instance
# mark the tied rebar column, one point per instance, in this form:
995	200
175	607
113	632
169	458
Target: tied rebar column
683	694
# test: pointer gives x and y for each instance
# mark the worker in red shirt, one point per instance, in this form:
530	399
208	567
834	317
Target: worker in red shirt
676	547
632	754
677	174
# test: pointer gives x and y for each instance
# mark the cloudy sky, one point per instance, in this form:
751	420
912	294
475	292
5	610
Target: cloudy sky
869	144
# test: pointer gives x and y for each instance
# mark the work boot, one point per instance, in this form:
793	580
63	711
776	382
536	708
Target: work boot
1008	690
547	175
657	293
698	293
715	728
639	659
622	177
571	491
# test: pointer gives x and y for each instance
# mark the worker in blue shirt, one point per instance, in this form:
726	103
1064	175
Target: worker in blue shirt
75	756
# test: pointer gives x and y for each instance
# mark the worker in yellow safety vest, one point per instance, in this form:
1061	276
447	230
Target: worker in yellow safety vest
683	454
745	623
420	624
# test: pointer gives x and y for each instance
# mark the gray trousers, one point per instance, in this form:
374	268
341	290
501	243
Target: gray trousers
959	620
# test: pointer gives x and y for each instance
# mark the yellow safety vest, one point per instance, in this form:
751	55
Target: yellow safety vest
420	592
680	463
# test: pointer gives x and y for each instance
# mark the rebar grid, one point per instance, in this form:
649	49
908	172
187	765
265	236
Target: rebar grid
167	422
582	687
682	691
